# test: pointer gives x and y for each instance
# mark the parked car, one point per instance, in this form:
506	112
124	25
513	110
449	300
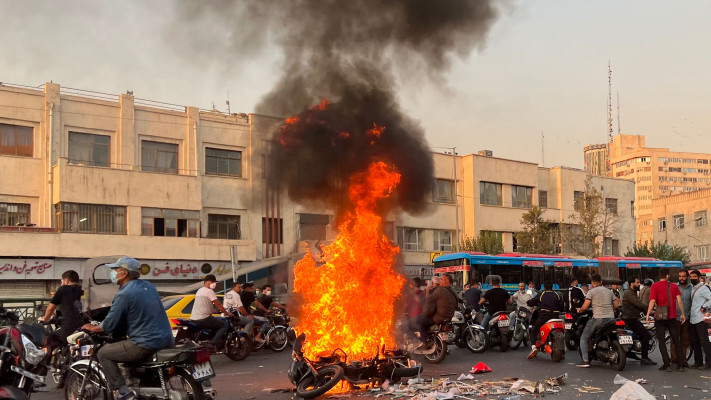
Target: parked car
180	306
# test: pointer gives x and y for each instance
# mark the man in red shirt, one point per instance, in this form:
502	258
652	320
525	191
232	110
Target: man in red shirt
658	296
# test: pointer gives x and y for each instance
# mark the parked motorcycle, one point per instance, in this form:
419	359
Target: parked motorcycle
25	352
498	330
237	342
519	331
314	378
608	344
574	325
465	332
552	339
174	373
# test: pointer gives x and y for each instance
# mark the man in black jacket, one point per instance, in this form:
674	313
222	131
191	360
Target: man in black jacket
576	296
631	306
549	304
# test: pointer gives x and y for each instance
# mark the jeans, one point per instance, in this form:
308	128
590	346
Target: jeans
699	341
247	322
485	321
685	336
422	324
590	328
263	324
642	334
112	353
212	323
673	326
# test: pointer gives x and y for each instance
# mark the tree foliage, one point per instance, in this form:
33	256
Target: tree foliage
536	236
487	242
590	223
662	251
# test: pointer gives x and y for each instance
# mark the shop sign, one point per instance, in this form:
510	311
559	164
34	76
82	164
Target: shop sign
455	268
26	268
172	269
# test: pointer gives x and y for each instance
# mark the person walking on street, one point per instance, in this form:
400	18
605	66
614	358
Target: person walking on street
685	327
472	296
603	303
205	299
662	295
576	296
700	298
631	306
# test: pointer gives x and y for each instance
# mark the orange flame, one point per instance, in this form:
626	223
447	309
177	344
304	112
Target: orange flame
349	300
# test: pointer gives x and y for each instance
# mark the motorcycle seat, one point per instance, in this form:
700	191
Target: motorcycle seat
35	333
556	320
168	354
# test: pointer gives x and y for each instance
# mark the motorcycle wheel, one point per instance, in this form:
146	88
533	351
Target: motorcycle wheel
571	342
621	356
184	383
278	339
96	388
476	340
504	345
518	337
314	386
236	349
557	355
439	353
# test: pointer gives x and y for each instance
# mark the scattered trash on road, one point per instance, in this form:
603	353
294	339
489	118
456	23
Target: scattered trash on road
632	391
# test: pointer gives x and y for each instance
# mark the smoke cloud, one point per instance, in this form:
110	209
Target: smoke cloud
348	52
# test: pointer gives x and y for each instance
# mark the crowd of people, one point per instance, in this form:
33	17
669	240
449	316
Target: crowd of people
680	310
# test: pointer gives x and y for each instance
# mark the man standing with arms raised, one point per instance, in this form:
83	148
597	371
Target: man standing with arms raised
603	303
662	295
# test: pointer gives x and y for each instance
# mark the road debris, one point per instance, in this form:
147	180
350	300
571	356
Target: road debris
632	391
621	380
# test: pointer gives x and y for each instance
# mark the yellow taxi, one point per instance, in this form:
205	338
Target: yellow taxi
180	306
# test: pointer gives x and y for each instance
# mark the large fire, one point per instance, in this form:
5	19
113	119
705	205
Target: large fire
349	298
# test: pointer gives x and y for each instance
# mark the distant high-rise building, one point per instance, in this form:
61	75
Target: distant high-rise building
597	161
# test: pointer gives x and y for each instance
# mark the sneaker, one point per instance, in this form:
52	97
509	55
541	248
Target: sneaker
584	364
130	395
532	354
647	361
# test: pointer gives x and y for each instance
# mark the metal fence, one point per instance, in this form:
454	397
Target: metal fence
28	310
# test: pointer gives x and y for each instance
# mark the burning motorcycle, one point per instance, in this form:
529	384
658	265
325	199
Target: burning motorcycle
237	342
608	345
174	373
315	378
25	352
552	339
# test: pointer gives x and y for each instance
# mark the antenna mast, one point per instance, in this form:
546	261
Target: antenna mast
543	154
609	101
618	112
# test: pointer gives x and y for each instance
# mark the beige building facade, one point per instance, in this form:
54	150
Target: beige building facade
658	173
682	220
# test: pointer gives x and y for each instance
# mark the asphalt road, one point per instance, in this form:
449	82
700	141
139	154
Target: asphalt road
261	372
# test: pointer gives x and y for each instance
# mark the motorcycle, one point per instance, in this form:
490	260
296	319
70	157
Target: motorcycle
498	330
465	332
552	339
313	379
574	325
173	373
519	333
608	345
237	342
277	337
25	353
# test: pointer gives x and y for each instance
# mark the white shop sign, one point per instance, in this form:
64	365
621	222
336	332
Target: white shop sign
26	268
191	270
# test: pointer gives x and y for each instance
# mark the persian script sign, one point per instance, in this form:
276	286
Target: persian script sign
26	268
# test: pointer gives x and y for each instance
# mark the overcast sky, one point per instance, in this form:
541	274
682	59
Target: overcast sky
544	69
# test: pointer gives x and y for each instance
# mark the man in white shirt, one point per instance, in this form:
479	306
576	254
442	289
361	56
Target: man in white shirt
234	302
205	298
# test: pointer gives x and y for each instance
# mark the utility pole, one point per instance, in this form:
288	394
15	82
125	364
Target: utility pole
543	154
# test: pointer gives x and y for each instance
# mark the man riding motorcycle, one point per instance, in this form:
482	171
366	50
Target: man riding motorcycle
136	312
549	304
603	303
439	307
234	302
205	298
497	298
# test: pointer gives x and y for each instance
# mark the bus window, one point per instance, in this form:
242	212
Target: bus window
533	274
583	274
562	275
480	272
510	274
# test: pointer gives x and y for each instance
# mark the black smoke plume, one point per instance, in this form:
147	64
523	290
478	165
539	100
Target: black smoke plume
347	51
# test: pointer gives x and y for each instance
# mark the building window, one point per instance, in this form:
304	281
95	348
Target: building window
702	252
91	218
14	214
443	191
662	223
16	140
490	194
88	149
701	218
607	247
521	196
679	221
577	200
223	162
443	240
632	208
159	157
175	223
273	230
223	226
615	247
611	205
543	198
313	226
411	238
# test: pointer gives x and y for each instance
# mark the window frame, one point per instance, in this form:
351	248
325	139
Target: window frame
216	221
516	192
701	218
662	224
702	249
70	216
156	157
92	148
679	221
438	244
278	225
498	199
543	198
440	198
16	218
419	243
166	214
227	157
609	206
5	130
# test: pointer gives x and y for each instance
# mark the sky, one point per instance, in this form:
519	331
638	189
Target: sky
543	71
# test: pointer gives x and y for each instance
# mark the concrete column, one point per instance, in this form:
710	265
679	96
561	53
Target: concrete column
50	149
127	149
193	143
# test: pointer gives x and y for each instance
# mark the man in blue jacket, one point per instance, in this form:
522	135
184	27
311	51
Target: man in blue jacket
136	312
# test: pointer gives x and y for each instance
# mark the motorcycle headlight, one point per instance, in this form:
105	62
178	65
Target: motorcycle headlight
33	355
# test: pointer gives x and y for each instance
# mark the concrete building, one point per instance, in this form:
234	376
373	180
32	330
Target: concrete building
658	173
597	160
682	220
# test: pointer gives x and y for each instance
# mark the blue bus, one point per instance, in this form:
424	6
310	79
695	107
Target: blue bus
537	268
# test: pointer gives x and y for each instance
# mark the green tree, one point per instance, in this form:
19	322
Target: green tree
662	251
486	242
536	234
590	223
